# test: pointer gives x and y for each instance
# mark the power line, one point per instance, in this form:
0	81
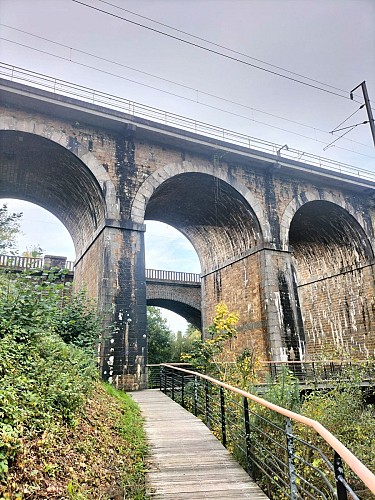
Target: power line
346	119
198	91
179	96
212	51
221	46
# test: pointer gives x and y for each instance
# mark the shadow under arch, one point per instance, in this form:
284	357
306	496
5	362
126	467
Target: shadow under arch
188	312
216	219
311	196
167	172
40	171
332	258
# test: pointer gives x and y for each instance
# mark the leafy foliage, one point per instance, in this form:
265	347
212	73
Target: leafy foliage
77	321
9	229
61	434
207	353
184	344
43	380
159	337
340	409
343	412
35	251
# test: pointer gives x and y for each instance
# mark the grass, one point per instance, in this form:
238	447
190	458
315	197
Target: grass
102	457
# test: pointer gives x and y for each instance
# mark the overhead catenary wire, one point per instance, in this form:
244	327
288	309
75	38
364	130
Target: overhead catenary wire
220	46
181	97
198	91
235	59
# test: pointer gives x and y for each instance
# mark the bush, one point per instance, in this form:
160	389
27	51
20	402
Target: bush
77	321
43	380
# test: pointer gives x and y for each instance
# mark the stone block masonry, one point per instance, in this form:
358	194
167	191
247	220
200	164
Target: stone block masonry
288	246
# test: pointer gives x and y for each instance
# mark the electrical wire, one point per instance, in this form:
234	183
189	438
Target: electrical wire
221	46
198	91
201	92
212	51
341	136
346	119
179	96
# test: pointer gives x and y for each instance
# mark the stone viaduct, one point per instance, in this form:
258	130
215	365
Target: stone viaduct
288	245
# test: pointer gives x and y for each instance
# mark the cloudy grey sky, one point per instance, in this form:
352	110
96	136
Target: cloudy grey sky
328	44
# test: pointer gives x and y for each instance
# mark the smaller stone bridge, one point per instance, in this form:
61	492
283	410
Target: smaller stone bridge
176	291
179	292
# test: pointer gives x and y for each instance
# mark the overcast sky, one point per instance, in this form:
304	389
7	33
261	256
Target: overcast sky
324	43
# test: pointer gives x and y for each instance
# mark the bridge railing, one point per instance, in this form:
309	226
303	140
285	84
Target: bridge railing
319	372
62	87
273	444
19	263
157	274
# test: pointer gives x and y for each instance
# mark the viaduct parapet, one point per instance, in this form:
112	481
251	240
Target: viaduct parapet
288	245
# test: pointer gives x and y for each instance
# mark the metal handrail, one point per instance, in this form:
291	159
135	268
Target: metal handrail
349	458
135	109
20	262
158	274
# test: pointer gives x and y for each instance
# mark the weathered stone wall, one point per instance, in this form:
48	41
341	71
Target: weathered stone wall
293	275
239	286
339	315
88	271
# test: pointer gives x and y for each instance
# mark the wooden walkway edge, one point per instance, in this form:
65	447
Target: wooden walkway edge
186	461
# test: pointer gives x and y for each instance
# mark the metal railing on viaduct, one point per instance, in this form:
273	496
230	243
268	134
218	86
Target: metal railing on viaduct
287	454
137	110
17	262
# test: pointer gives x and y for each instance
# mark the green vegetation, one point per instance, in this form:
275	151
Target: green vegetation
213	354
62	435
341	408
163	345
9	229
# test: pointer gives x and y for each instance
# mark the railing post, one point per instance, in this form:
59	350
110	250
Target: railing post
208	423
247	436
173	385
291	466
165	379
339	473
182	390
223	421
195	395
161	377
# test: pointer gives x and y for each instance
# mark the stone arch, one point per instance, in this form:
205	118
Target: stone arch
39	170
182	299
211	214
309	196
80	149
332	258
165	173
188	295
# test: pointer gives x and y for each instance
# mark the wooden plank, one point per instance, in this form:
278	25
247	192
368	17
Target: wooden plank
186	461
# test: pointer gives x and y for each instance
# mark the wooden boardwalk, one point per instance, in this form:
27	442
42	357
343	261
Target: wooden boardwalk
186	461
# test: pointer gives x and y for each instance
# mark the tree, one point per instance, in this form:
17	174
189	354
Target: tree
183	343
208	354
160	337
9	229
